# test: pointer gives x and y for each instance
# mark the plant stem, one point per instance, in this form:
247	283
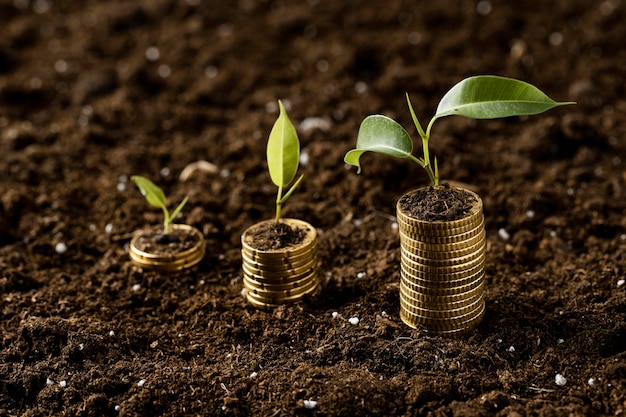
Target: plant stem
279	203
166	222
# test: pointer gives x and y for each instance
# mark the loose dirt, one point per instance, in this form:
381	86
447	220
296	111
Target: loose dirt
92	92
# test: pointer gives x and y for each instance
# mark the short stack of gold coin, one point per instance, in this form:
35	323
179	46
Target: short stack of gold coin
280	276
442	272
173	263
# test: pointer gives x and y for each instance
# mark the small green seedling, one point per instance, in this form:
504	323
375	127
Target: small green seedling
479	97
283	157
156	198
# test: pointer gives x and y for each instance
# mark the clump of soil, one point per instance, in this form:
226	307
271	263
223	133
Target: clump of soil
442	203
274	235
156	242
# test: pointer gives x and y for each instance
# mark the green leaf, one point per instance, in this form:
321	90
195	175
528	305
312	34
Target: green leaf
490	97
283	150
153	194
383	135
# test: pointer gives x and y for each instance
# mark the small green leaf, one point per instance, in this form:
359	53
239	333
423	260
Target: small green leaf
489	97
153	194
283	150
383	135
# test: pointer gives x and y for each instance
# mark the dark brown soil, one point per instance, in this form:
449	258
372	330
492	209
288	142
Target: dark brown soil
92	92
274	235
153	241
442	203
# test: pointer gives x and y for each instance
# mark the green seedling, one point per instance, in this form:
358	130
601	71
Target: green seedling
156	198
283	157
479	97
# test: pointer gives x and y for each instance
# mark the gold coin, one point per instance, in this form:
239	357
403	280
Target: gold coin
424	296
417	249
269	305
310	240
169	264
264	271
445	323
442	283
441	238
419	297
441	306
278	279
279	291
446	269
410	243
407	282
439	228
279	263
273	301
441	278
447	330
282	286
448	312
445	262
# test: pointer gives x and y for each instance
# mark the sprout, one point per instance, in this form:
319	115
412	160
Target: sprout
480	97
283	156
156	198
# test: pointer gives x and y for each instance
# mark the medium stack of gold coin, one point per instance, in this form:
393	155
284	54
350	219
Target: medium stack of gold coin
442	272
280	276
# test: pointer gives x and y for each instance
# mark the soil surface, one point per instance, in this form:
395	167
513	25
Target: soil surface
92	92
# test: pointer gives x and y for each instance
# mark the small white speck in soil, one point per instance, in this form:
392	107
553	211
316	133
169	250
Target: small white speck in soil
560	380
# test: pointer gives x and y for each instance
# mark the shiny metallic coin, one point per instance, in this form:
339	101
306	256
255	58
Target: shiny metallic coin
445	262
443	279
287	278
447	312
440	228
274	273
279	291
282	286
444	323
441	306
411	244
409	283
447	330
423	296
309	241
443	238
446	269
279	264
268	300
442	283
419	297
416	249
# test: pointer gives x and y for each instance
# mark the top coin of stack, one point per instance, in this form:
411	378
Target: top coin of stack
279	276
442	271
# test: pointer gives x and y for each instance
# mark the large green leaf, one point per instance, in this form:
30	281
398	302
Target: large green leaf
283	150
382	135
489	97
153	194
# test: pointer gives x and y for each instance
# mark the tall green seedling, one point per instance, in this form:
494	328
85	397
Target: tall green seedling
283	157
479	97
156	198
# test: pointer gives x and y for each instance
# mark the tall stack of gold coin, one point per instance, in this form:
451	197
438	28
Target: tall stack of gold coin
280	276
442	272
